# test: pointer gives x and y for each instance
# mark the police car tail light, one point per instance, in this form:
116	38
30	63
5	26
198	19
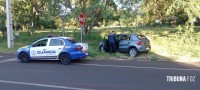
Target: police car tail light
79	48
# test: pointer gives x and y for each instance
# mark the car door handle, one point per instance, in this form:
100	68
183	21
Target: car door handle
59	48
44	49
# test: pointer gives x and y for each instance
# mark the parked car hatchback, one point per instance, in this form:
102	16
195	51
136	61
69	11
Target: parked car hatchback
64	49
133	44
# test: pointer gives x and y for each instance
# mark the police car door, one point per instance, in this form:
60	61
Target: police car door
38	49
54	48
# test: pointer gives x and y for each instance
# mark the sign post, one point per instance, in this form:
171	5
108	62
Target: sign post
81	22
81	33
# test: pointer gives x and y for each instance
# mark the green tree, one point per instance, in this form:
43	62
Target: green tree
95	11
33	14
127	10
185	8
187	11
2	18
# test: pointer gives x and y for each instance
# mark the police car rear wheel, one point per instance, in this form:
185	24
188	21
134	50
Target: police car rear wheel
23	58
65	59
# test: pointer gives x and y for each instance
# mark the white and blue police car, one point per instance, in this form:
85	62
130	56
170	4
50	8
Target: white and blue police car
64	49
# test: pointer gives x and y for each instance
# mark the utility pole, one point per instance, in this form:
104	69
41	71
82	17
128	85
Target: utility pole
10	39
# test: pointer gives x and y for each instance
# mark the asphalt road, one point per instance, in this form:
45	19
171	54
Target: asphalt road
96	75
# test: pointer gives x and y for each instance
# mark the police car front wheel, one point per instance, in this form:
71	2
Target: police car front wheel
65	59
23	58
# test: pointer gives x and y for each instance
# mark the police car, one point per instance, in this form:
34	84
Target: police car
64	49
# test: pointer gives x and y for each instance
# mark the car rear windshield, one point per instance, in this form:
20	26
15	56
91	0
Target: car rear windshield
141	37
73	41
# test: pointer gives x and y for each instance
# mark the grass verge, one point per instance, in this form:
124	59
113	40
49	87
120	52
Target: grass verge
167	43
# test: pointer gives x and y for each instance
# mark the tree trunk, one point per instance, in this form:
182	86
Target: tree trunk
120	25
87	29
90	29
84	29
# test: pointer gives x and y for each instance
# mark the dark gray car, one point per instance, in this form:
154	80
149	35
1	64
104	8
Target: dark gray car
128	43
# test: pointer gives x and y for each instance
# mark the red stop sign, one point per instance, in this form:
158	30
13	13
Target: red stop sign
81	15
81	18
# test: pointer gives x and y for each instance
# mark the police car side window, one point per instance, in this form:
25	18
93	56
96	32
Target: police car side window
40	43
56	42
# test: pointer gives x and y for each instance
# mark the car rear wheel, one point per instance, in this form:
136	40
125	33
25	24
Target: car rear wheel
65	59
102	48
23	57
133	52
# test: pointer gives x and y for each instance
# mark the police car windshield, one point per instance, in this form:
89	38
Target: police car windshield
73	41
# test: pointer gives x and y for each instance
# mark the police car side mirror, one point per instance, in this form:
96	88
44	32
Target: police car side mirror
32	45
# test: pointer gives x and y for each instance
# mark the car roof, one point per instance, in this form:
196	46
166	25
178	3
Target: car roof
127	34
60	37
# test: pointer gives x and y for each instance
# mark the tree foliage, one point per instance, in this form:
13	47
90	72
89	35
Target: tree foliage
32	13
95	11
186	11
51	14
44	14
2	18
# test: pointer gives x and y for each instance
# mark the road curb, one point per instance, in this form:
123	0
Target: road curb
193	60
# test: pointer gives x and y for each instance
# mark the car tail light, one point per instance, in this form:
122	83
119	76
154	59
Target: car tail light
79	48
139	43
